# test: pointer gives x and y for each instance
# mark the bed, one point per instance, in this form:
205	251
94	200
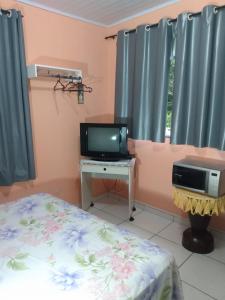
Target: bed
50	249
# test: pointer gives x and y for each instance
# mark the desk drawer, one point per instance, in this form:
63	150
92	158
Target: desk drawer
122	170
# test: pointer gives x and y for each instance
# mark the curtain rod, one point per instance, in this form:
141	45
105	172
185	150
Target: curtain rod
156	24
7	11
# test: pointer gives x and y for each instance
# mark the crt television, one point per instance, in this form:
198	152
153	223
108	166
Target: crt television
103	141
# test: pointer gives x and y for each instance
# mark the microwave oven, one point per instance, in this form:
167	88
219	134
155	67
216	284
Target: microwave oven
201	175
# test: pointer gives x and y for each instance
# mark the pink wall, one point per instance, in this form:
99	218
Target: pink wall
154	160
60	41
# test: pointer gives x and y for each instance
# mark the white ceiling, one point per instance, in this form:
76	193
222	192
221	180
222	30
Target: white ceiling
100	12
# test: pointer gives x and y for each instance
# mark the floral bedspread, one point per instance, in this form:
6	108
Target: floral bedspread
50	249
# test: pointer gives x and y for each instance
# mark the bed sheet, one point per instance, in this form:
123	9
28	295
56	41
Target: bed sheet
50	249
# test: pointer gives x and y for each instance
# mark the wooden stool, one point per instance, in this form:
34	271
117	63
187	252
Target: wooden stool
200	208
197	238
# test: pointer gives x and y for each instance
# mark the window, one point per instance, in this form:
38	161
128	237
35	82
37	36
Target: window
170	96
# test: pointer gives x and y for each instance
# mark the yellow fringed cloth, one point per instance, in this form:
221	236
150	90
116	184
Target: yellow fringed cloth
197	203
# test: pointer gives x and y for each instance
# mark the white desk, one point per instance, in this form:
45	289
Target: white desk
123	169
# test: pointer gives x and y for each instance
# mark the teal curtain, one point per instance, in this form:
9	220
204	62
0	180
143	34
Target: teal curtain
124	77
142	67
199	88
16	149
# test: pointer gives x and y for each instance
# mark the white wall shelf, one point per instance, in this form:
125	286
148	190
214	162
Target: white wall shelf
40	71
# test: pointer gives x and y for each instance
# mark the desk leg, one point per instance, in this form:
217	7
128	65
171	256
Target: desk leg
86	197
131	195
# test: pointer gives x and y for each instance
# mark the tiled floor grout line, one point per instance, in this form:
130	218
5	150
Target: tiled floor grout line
217	260
144	229
194	287
189	256
161	214
122	220
154	234
191	253
121	223
165	238
106	212
136	213
127	220
178	244
164	227
188	259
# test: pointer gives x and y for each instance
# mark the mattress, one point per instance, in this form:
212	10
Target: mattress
50	249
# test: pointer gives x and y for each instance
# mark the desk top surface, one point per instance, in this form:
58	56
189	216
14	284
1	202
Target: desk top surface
120	163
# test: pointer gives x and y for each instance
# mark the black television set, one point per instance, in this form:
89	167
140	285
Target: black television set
104	141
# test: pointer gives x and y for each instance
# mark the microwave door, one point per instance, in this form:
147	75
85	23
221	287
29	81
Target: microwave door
190	178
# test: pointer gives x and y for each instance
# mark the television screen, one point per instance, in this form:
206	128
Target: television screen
103	140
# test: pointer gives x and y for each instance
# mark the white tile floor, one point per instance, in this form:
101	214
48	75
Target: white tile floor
203	276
